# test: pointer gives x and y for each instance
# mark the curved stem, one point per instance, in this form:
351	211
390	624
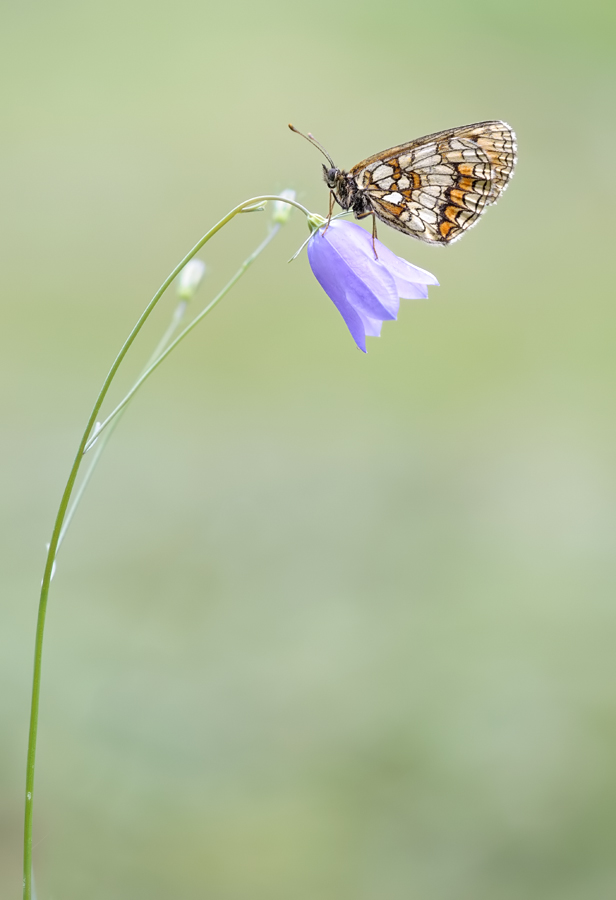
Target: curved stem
173	326
62	512
148	370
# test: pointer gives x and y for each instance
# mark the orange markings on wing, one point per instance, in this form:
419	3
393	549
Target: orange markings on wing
457	196
392	208
460	187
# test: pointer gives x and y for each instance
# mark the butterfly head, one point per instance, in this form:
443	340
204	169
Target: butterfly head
341	185
332	177
336	179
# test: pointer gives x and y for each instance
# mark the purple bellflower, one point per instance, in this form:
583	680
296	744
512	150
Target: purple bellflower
365	290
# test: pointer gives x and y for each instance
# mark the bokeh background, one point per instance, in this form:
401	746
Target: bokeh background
328	626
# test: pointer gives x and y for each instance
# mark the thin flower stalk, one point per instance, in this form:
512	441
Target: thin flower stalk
154	365
176	320
254	204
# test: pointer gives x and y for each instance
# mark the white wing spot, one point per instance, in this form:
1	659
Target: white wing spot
394	197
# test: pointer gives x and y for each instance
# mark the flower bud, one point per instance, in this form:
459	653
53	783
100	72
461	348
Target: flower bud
315	221
282	210
189	278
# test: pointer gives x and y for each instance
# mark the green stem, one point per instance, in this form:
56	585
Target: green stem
176	321
148	371
64	505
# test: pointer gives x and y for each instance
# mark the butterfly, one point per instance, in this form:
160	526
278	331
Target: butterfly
433	188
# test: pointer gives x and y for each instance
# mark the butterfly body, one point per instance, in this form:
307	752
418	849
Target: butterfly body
434	188
346	191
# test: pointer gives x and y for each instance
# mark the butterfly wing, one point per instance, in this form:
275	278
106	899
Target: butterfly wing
436	187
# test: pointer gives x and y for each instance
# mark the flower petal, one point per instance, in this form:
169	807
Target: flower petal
408	290
333	287
355	247
406	275
369	286
372	327
401	268
364	292
365	289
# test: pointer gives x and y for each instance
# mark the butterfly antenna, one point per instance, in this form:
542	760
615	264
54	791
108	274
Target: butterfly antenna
309	137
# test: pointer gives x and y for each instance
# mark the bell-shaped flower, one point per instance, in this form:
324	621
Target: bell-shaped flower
366	290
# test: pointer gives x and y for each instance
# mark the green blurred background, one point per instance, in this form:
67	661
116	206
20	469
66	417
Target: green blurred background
328	626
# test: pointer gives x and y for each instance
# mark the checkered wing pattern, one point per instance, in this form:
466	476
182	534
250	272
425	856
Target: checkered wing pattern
436	187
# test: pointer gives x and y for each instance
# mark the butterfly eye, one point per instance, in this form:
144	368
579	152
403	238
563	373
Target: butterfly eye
331	176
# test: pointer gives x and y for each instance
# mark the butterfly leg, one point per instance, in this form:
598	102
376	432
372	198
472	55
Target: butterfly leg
331	209
362	215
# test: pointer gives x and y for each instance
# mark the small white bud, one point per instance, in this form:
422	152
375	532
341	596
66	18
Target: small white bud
282	210
189	278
